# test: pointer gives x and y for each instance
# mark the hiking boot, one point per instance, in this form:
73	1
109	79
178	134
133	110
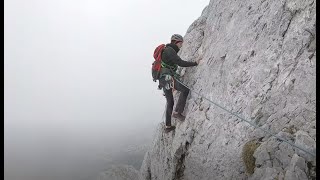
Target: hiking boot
179	116
169	128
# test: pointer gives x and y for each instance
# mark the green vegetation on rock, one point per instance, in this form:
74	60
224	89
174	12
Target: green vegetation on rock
247	155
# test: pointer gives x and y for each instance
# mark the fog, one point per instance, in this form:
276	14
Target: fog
77	81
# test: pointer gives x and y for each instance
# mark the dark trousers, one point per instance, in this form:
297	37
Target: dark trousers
184	92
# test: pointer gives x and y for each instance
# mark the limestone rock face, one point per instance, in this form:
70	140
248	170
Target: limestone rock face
258	59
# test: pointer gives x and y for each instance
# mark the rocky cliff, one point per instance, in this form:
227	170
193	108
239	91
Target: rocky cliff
258	59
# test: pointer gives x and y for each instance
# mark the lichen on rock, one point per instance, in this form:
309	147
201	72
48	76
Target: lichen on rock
247	155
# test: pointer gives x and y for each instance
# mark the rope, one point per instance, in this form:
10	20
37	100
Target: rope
252	124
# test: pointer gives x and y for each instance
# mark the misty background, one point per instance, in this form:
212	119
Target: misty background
78	92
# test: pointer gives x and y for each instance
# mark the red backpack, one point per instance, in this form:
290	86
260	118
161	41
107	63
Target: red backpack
156	65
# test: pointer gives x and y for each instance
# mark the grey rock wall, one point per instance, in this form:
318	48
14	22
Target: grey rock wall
258	59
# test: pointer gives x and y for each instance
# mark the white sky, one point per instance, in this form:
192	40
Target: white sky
77	77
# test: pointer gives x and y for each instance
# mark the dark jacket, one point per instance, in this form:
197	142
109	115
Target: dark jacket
170	57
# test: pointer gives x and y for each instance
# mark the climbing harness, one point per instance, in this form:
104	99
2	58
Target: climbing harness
252	124
172	68
169	75
169	82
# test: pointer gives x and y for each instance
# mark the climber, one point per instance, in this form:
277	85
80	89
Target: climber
167	80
